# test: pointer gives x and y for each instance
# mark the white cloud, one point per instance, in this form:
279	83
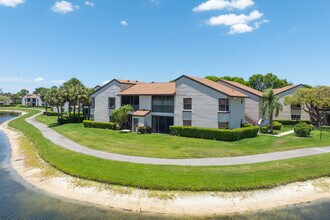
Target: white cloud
240	28
258	23
63	7
89	3
105	82
223	4
232	19
39	79
238	23
11	3
124	23
61	81
11	79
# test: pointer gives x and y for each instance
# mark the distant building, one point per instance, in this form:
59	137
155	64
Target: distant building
32	100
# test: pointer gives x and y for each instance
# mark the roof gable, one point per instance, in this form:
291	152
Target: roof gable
243	87
216	86
286	88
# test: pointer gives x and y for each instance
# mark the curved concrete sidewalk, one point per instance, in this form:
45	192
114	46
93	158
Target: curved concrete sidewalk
64	142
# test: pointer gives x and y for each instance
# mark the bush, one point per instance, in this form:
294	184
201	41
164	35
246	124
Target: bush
50	113
68	120
303	129
144	130
291	122
277	125
215	134
103	125
264	129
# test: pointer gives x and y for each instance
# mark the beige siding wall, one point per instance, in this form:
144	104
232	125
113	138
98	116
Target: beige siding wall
252	104
145	102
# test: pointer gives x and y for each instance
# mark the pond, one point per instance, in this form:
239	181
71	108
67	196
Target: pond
20	200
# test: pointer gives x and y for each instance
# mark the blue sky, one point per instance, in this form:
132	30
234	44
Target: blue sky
43	43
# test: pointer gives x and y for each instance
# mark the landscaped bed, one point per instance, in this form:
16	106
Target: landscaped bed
166	146
160	177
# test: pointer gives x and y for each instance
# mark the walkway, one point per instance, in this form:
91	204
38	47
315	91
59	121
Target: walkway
64	142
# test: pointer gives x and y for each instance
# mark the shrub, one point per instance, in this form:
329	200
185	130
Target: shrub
291	122
103	125
50	113
277	125
144	130
303	129
215	134
264	129
68	120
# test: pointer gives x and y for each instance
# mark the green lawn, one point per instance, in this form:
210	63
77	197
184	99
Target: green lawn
222	178
166	146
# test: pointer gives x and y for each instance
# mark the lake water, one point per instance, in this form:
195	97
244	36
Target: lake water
20	200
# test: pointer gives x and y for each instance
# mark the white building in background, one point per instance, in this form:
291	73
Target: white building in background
32	100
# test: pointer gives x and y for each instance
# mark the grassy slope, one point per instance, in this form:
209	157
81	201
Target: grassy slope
165	146
230	178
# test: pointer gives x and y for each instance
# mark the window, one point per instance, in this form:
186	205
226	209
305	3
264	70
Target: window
163	104
295	107
295	117
187	103
186	123
112	102
224	105
93	102
223	125
134	101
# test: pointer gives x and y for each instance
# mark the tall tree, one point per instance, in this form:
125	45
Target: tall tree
56	97
72	89
229	78
271	105
314	101
42	91
262	82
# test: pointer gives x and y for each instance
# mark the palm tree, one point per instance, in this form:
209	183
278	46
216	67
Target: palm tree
120	115
271	105
72	90
56	97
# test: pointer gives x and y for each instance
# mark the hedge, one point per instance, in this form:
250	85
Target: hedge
215	134
276	126
68	120
103	125
292	122
50	113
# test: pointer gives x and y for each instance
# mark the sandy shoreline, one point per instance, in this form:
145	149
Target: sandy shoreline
177	203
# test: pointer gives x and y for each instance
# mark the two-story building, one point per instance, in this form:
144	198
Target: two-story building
32	100
189	101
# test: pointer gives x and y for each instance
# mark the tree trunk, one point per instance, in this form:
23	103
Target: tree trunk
271	123
58	112
78	112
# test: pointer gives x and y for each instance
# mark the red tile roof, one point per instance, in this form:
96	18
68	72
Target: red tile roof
150	89
243	87
218	87
31	96
141	113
